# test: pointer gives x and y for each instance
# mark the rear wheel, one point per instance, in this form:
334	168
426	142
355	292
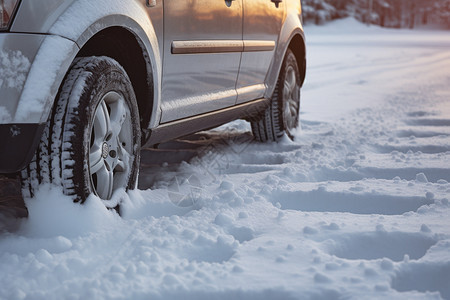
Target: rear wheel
91	142
282	115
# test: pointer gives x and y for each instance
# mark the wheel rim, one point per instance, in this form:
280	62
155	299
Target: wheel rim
291	97
111	140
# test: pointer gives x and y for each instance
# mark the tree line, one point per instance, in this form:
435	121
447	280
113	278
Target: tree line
386	13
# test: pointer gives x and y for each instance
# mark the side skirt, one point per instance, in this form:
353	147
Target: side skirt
169	131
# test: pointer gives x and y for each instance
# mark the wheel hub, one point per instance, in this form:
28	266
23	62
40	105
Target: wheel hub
291	100
105	150
109	158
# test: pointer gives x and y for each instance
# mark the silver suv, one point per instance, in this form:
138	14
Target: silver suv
84	84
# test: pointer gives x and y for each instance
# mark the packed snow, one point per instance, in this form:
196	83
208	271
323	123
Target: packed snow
356	207
14	66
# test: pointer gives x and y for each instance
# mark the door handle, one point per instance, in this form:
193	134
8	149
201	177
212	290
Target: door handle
228	2
277	2
150	3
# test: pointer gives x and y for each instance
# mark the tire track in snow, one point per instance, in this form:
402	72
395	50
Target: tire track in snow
331	170
363	168
321	200
353	168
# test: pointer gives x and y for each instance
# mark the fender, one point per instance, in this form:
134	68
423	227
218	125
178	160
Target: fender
46	74
79	22
291	27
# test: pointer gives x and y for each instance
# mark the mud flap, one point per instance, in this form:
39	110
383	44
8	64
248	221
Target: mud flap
11	200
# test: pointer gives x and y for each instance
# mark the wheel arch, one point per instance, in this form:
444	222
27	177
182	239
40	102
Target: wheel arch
291	37
141	58
70	37
127	49
297	45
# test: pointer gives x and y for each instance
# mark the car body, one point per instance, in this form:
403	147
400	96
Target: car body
193	64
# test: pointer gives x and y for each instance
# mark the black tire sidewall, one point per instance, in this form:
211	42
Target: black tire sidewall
289	61
270	125
97	76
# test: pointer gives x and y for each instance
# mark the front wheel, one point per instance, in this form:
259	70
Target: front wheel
91	142
282	116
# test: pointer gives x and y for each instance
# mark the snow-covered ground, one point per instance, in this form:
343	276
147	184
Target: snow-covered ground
357	207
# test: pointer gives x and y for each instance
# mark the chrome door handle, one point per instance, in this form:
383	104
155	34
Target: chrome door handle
150	3
277	2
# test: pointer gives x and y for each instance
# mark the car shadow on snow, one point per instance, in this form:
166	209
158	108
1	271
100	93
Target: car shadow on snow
423	277
168	156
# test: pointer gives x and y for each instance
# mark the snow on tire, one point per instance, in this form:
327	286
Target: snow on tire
283	113
92	139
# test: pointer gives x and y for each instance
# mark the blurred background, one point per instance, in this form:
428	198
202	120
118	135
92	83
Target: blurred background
386	13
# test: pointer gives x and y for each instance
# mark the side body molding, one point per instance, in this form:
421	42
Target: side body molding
221	46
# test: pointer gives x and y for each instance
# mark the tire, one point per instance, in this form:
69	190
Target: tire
282	115
92	139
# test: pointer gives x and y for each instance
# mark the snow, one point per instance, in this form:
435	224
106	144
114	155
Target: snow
356	207
5	116
14	66
39	87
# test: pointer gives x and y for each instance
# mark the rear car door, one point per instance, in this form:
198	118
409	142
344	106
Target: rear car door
261	27
202	52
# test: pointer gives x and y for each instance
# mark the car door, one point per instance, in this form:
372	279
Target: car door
202	52
261	27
